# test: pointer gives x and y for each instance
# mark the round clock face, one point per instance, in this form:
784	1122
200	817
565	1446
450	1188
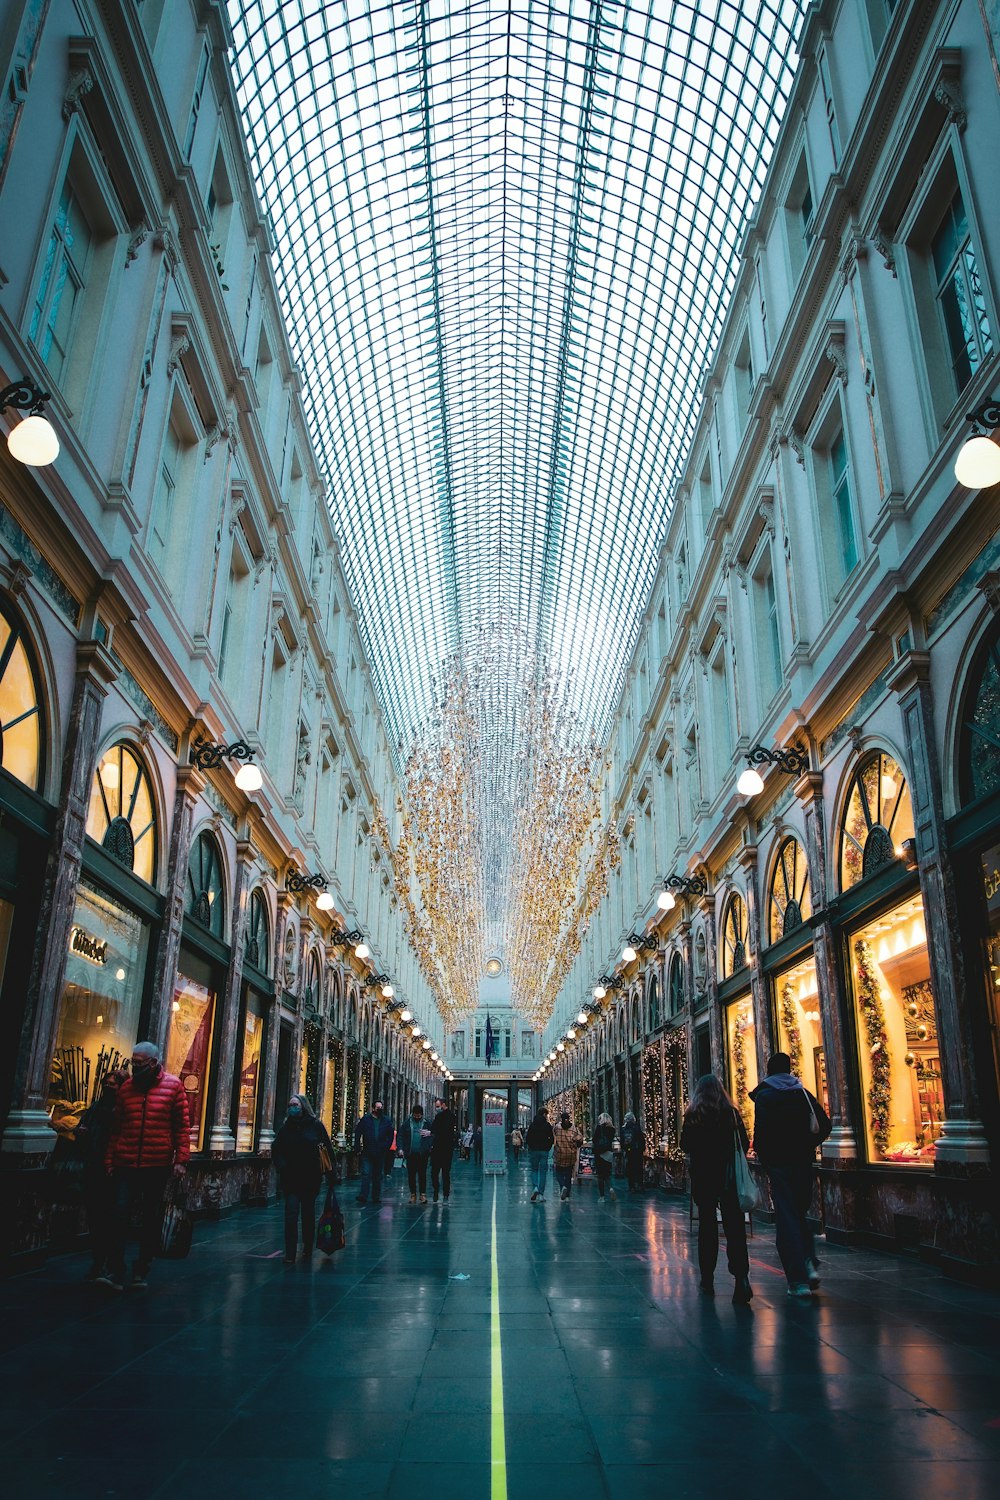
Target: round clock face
494	966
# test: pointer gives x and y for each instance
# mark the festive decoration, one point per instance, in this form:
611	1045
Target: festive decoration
652	1099
740	1077
789	1021
581	1109
873	1016
675	1047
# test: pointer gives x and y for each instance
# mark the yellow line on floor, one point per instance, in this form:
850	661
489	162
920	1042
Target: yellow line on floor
498	1442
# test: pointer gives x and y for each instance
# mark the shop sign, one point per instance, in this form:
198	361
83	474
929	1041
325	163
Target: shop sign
92	949
494	1140
991	878
585	1162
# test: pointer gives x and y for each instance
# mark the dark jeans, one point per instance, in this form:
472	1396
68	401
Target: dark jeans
634	1169
538	1166
441	1169
478	1150
99	1200
302	1203
138	1194
416	1171
564	1177
791	1193
371	1178
708	1234
603	1170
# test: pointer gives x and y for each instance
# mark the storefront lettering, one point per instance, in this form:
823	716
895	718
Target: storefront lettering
991	878
90	948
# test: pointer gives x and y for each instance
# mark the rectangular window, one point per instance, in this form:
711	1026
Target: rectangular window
843	505
768	632
959	294
796	992
199	90
63	283
741	1040
224	643
253	1036
831	113
189	1044
164	504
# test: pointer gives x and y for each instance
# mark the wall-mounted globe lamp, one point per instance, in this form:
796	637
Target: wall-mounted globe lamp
581	1019
208	756
406	1015
978	463
33	440
793	762
298	883
635	944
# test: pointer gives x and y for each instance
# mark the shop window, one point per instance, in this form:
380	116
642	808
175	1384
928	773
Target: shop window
796	992
206	897
99	1006
250	1077
979	746
734	937
878	816
789	903
898	1042
20	707
258	940
189	1038
741	1041
675	989
121	817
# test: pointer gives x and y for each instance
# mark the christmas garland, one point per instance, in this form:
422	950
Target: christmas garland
870	1006
652	1098
675	1046
740	1077
791	1028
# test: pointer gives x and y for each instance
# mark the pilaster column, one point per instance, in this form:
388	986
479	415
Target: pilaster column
189	784
270	1086
758	992
27	1129
221	1141
841	1144
963	1139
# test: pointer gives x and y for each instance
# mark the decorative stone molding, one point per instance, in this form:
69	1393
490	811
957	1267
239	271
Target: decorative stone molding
139	233
180	344
80	83
836	350
948	95
884	247
988	586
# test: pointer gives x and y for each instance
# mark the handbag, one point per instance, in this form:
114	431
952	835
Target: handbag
325	1160
814	1125
746	1188
330	1235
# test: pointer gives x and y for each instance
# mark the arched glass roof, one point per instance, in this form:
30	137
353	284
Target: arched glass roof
506	237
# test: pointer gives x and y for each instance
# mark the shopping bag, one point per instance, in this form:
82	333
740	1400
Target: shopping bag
746	1188
175	1232
330	1235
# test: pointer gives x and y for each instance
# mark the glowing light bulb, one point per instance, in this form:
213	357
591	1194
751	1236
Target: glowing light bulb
324	901
406	1015
249	779
581	1019
599	992
109	775
629	954
666	901
977	465
750	783
362	951
33	442
387	991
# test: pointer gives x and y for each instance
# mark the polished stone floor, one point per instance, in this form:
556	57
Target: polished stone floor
369	1375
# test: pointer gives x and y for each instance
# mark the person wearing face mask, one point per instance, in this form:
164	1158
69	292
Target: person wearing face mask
93	1134
301	1151
149	1143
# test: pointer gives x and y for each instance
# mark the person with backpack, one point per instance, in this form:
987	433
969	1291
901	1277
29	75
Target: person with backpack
568	1141
302	1153
710	1135
604	1155
634	1143
539	1142
414	1141
789	1124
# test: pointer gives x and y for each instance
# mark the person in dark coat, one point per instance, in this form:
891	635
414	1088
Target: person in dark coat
92	1137
789	1123
296	1153
634	1143
539	1141
444	1134
710	1133
372	1142
477	1146
414	1141
604	1155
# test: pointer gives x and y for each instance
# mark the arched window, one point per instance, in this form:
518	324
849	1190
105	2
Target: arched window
979	745
653	1004
258	941
121	817
20	706
206	895
734	937
676	985
877	817
313	994
789	902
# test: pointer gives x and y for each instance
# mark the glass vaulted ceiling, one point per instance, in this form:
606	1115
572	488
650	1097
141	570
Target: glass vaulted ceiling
506	236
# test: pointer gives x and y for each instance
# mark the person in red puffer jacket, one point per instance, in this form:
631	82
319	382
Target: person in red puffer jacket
149	1144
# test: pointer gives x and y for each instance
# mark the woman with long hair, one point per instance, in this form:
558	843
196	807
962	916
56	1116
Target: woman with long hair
711	1134
302	1154
604	1155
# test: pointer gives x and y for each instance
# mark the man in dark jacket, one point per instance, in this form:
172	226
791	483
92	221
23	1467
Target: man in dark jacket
371	1140
149	1143
789	1123
444	1134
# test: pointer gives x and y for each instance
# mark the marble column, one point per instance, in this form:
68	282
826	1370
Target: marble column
841	1144
27	1130
269	1090
189	785
222	1141
962	1143
758	989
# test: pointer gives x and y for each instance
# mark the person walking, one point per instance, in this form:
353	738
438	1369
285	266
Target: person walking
444	1134
302	1153
386	1138
539	1141
516	1141
634	1143
92	1136
789	1123
369	1142
468	1136
148	1144
414	1141
604	1155
710	1134
567	1143
477	1146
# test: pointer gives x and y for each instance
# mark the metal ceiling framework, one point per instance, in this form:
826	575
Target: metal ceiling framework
506	240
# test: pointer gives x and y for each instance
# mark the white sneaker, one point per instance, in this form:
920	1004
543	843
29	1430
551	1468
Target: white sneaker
799	1289
812	1275
612	1195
